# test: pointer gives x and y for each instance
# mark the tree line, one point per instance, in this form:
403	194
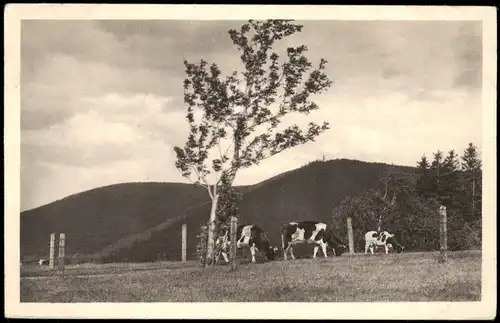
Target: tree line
406	203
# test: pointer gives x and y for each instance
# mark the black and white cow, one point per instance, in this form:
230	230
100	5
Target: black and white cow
373	239
249	236
314	232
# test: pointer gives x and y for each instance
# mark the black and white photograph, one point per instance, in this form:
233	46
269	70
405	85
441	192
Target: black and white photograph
271	156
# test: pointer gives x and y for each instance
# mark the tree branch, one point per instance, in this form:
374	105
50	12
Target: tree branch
203	178
265	93
278	113
220	151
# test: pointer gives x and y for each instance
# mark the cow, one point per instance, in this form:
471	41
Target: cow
41	262
384	239
249	236
314	232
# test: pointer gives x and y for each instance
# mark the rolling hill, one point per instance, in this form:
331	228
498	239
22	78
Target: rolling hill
99	217
142	221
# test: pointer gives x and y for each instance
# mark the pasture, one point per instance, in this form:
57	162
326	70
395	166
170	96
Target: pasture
358	278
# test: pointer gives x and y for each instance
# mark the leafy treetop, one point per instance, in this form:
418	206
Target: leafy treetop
234	107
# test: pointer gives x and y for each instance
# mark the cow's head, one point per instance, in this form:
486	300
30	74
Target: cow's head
391	240
271	253
337	245
339	249
399	248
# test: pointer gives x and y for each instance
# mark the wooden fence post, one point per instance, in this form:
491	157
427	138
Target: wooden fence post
51	250
233	231
350	236
184	242
62	244
443	234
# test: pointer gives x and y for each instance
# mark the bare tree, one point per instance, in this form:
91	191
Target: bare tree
399	186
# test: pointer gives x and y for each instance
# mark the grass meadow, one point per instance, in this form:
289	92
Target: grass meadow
359	278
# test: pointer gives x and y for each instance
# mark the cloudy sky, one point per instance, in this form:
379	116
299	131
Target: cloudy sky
102	102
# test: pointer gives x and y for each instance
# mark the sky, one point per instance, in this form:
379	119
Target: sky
102	101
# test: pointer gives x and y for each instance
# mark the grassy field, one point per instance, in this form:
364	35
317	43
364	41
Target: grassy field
359	278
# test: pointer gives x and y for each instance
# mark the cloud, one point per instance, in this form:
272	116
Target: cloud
157	117
429	54
397	128
63	84
87	129
111	125
198	37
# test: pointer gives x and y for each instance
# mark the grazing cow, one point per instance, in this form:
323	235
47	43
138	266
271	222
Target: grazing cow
310	232
249	236
42	262
384	239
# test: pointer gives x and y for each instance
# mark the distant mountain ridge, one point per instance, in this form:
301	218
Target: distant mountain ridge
141	221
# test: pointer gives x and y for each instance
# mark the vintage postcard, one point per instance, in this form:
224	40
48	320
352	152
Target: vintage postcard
280	162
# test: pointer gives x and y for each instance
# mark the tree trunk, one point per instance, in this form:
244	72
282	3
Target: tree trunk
211	230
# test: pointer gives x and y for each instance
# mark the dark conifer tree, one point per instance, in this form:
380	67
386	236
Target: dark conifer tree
435	188
423	177
472	193
471	166
450	181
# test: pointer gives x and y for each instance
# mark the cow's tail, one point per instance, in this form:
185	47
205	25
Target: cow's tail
267	238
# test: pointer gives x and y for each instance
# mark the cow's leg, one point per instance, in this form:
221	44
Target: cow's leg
386	249
371	248
316	248
283	246
291	252
287	250
239	242
252	251
367	245
225	256
323	247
